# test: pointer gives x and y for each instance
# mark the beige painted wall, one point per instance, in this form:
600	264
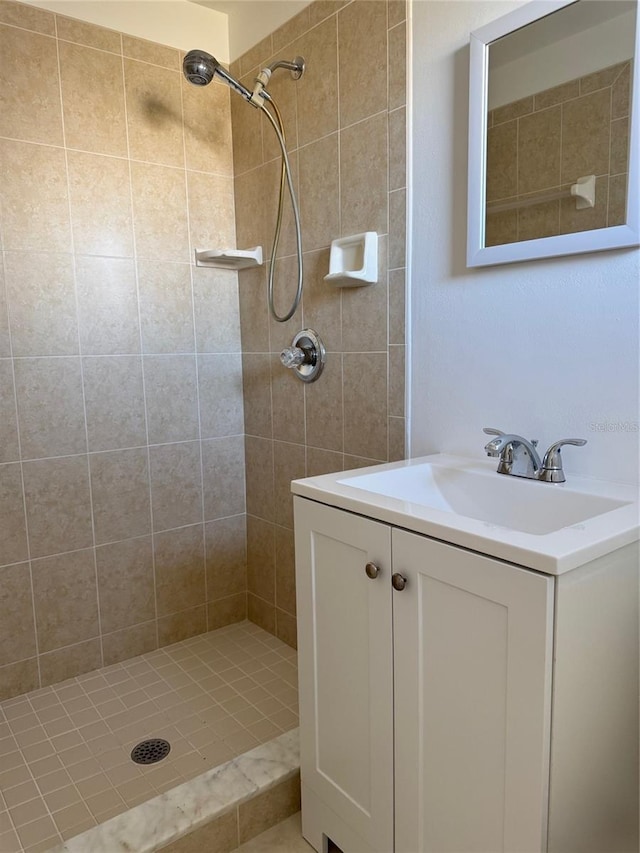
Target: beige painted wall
121	419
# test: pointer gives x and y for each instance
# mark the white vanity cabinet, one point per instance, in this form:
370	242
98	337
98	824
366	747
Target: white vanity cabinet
425	712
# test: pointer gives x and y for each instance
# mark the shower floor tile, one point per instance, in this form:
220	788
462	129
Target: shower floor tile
65	760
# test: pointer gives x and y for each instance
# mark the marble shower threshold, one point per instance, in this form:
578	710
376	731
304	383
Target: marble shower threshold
65	765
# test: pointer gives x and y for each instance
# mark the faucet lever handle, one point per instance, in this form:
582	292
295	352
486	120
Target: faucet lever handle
492	431
551	470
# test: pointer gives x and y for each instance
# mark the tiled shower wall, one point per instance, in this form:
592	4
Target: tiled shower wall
345	126
121	415
546	141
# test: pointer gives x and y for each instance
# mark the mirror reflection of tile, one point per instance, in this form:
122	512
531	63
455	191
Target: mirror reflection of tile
545	142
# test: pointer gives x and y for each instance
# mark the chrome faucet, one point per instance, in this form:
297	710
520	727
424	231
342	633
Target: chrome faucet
519	457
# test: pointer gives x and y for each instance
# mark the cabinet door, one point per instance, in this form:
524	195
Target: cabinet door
473	656
345	664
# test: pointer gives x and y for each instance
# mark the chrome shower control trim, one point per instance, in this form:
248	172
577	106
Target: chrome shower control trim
306	355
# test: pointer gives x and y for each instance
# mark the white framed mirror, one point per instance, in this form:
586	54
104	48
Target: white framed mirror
554	136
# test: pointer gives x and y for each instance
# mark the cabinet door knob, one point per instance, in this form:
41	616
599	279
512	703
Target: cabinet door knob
372	571
398	581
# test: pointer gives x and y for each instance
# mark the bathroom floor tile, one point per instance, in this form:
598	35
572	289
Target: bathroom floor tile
213	697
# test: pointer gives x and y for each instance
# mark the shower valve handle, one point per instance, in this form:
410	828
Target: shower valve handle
293	357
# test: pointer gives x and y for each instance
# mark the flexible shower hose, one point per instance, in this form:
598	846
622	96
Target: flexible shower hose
285	175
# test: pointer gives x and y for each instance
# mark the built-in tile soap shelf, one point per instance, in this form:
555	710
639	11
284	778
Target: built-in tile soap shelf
229	259
353	261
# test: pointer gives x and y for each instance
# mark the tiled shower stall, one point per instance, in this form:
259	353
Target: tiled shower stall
134	386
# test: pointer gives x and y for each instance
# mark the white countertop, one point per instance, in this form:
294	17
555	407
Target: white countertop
553	552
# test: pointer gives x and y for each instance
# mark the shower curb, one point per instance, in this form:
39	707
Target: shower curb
156	823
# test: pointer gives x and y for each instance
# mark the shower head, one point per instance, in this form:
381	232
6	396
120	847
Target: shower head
199	67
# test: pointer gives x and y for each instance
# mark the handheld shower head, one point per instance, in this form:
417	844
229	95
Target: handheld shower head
199	67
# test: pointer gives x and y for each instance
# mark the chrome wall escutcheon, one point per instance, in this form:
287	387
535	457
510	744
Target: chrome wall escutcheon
398	581
306	355
372	571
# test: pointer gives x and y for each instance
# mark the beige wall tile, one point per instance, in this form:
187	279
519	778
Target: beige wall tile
262	613
65	599
284	92
67	663
396	11
257	55
13	543
5	344
287	394
81	32
170	389
286	628
259	473
50	407
9	449
397	288
20	677
365	414
364	317
150	51
585	136
321	9
363	176
58	505
540	220
619	146
28	17
120	494
539	150
208	143
397	428
128	643
285	570
154	113
166	307
211	229
617	212
396	381
42	304
223	471
621	93
324	407
220	390
100	196
397	149
107	306
322	301
226	557
602	78
397	66
125	584
502	161
220	835
180	626
247	133
261	569
34	197
284	289
179	569
501	228
572	220
215	295
226	611
93	97
31	107
557	95
511	111
252	300
160	212
256	385
291	30
269	808
323	462
176	484
289	464
362	59
114	402
319	192
17	632
317	89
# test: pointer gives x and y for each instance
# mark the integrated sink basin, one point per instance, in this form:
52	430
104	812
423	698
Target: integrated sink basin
549	527
524	505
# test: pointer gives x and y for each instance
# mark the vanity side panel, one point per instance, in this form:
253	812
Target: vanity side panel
594	740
